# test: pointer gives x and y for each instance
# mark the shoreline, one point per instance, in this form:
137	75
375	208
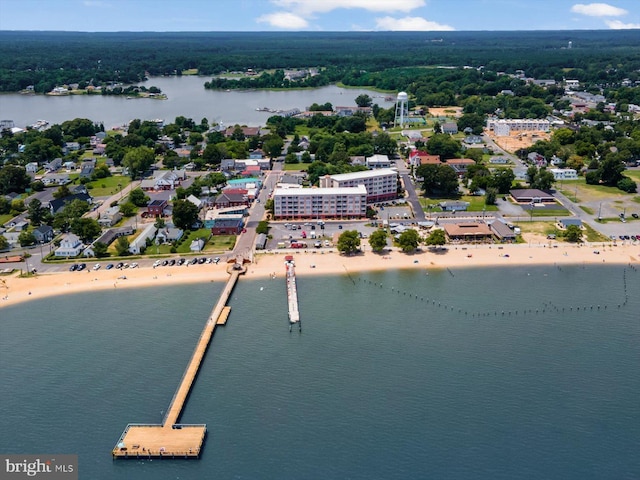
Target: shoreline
15	290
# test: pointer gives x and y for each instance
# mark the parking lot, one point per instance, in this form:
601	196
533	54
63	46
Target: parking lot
312	234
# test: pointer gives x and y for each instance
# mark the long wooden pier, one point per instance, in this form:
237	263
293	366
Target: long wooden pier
171	439
292	293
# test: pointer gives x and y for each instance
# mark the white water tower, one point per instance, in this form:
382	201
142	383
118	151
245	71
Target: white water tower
402	109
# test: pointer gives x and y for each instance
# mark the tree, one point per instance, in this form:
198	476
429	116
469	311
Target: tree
100	250
444	145
122	246
263	227
4	243
36	212
138	160
378	240
490	196
437	237
626	184
409	240
62	192
349	242
87	229
610	170
502	180
127	209
573	234
269	205
13	179
273	146
364	100
159	223
540	178
26	239
185	214
473	121
441	179
138	197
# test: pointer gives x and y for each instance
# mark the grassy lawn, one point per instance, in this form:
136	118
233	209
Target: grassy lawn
590	235
590	193
104	187
587	209
476	204
296	166
634	174
544	212
5	218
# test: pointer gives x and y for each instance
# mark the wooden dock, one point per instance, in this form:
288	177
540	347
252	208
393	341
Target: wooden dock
171	439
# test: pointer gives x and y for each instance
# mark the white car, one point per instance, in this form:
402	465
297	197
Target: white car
133	265
156	263
97	266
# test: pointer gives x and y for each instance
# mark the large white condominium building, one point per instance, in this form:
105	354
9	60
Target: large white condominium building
348	202
381	184
503	127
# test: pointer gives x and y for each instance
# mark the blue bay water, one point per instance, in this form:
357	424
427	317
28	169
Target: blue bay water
396	375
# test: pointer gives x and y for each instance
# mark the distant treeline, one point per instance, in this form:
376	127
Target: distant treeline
47	59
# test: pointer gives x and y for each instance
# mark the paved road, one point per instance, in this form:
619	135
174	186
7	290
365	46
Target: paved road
412	195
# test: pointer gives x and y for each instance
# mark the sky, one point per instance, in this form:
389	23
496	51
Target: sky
316	15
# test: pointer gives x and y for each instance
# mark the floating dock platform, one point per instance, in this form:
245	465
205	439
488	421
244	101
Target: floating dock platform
172	439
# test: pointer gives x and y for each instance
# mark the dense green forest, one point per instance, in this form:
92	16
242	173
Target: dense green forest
47	59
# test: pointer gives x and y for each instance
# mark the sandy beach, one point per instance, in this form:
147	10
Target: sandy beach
14	289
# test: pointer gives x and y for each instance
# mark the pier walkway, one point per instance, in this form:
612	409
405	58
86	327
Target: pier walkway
171	439
292	294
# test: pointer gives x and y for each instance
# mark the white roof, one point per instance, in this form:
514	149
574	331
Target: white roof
359	190
381	172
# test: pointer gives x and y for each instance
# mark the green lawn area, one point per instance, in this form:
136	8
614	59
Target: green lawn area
104	187
590	235
546	212
589	193
634	174
296	166
476	203
587	209
5	218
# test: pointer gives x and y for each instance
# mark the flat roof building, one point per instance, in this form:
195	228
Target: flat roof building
346	202
381	184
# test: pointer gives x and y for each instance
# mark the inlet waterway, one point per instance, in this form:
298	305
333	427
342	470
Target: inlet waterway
396	375
186	97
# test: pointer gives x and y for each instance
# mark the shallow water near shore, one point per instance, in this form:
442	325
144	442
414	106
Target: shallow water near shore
414	374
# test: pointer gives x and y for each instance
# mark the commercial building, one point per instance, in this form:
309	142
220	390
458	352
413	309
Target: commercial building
381	184
340	202
564	173
503	127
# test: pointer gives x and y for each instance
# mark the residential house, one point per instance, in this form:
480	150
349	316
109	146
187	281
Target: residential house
32	167
564	173
164	180
450	128
246	131
473	140
168	235
110	217
197	245
195	200
54	165
56	204
502	231
70	246
43	234
108	236
55	179
232	198
536	159
256	154
140	242
567	222
498	160
87	167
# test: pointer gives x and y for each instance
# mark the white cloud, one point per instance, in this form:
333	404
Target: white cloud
284	20
598	10
323	6
618	25
413	24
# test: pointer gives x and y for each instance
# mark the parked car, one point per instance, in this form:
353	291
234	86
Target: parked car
216	260
109	266
119	265
82	266
634	215
172	262
97	266
73	268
